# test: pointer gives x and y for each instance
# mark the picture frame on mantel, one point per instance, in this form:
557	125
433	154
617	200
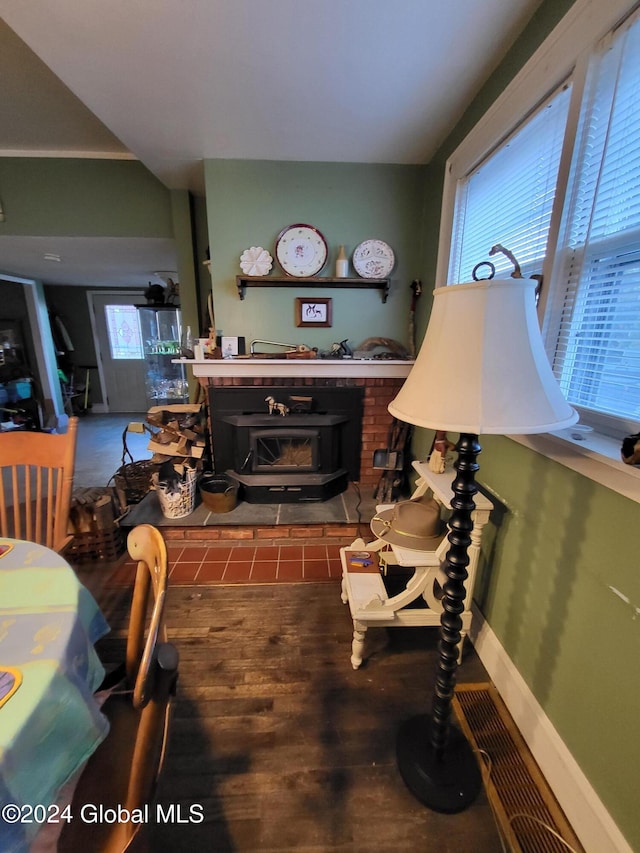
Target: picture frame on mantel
313	312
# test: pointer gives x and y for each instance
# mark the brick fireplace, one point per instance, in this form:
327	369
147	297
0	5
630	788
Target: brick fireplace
376	393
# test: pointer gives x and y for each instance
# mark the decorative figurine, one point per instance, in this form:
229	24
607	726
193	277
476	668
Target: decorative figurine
439	449
278	408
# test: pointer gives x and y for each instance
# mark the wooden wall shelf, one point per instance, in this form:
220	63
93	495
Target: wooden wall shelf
381	284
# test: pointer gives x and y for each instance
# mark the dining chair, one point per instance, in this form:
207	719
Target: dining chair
122	773
36	483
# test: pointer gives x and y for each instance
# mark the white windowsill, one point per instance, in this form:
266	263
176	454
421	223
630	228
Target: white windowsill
596	457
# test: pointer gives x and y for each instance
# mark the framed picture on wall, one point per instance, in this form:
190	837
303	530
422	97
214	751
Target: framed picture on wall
313	312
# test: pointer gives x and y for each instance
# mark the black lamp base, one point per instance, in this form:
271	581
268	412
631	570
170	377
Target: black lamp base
446	783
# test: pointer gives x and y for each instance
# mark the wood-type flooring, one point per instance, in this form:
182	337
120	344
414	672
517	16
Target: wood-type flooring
277	744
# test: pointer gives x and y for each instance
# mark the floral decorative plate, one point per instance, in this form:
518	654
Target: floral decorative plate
373	259
301	250
255	261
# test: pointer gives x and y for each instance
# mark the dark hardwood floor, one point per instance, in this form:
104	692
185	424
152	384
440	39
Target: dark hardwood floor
279	745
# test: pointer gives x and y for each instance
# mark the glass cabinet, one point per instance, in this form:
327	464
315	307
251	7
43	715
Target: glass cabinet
161	330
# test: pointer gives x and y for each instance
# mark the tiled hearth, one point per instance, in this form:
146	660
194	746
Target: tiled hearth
340	516
200	563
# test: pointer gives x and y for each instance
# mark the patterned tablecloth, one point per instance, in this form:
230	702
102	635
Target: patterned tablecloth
50	722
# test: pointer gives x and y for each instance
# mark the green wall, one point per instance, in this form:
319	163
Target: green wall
561	591
83	198
250	202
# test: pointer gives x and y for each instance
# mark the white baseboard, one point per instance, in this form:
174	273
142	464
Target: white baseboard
590	820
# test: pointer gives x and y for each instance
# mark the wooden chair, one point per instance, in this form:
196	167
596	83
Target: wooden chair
123	771
36	482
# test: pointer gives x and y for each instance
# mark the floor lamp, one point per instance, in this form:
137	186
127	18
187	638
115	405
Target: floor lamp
481	368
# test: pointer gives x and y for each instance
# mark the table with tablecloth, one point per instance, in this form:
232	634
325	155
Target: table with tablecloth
50	721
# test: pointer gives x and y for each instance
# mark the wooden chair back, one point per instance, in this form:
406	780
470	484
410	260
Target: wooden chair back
123	771
146	545
36	483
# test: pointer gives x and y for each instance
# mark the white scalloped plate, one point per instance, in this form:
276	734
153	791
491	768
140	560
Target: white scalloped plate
256	261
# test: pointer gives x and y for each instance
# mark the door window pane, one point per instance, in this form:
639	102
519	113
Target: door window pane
124	331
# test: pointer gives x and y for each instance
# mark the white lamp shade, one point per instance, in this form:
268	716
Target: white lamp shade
482	367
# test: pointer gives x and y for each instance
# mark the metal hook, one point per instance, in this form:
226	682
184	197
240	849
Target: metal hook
483	264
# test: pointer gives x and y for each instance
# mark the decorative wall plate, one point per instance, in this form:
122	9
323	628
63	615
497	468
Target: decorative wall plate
256	261
301	250
373	259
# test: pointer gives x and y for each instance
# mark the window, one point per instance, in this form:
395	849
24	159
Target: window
597	310
508	199
123	329
562	193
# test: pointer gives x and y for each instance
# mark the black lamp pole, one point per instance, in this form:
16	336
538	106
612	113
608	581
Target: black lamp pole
434	758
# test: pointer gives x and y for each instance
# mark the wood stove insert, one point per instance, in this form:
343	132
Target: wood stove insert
309	454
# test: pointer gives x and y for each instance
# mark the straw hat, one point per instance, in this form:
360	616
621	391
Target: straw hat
411	524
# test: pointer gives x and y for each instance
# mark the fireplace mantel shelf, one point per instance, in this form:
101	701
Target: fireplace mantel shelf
303	367
244	281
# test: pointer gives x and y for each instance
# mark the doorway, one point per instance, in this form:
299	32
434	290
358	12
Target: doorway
121	364
37	328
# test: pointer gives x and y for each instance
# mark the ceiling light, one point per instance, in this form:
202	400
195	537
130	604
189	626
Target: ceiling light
52	256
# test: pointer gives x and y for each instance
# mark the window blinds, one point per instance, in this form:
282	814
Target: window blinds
597	358
509	197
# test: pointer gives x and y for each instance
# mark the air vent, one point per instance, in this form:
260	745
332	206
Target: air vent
527	813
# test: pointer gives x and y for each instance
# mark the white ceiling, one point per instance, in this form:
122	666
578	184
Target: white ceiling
173	82
101	262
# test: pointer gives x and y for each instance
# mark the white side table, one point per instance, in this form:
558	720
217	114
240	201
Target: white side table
363	588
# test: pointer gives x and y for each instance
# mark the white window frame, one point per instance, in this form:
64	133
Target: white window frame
562	57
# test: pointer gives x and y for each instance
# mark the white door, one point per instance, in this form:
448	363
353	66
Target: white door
121	363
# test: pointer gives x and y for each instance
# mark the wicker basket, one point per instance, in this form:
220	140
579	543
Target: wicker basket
181	503
132	480
96	546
